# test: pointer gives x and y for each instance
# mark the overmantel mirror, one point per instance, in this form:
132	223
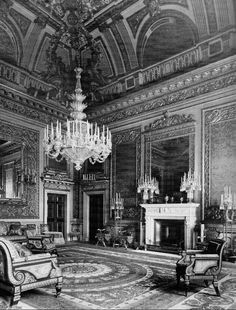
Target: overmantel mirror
169	153
18	171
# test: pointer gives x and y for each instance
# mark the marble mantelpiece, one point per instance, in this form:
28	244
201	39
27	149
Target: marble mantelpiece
188	212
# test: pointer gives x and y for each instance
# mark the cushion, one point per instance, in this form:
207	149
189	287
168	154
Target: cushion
3	228
15	229
31	232
213	247
22	250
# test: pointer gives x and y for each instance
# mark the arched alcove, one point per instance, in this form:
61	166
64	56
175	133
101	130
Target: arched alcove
8	50
167	39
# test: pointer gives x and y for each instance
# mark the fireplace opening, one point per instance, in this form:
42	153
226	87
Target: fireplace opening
170	233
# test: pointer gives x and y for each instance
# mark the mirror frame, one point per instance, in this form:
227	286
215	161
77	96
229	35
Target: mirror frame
168	128
28	205
124	137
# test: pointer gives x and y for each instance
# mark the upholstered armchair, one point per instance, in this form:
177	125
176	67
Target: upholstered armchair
57	236
201	264
20	270
39	243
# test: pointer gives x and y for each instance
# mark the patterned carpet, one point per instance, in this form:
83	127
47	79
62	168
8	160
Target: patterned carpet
107	278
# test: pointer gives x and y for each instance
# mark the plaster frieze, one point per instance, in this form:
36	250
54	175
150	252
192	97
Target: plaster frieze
126	136
200	81
170	120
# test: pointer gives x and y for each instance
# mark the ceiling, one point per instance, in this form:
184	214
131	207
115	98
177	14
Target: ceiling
121	38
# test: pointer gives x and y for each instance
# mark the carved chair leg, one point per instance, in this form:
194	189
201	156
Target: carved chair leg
16	296
206	283
178	279
215	284
58	289
186	282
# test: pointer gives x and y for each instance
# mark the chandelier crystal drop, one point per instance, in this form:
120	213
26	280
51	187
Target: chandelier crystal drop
81	140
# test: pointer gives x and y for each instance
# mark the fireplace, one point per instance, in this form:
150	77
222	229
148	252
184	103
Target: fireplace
171	224
169	233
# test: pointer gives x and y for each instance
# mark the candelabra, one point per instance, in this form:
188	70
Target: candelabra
228	203
189	183
149	186
118	206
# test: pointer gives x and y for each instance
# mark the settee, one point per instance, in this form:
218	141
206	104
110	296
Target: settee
13	231
20	270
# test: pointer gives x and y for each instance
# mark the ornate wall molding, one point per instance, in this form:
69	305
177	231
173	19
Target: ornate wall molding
126	136
56	180
170	120
216	121
28	206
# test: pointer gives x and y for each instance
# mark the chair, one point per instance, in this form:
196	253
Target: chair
39	243
20	270
75	231
199	264
57	236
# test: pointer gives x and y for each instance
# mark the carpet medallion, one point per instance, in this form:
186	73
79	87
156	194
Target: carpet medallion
101	281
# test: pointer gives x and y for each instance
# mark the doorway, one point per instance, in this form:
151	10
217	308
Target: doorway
95	215
56	212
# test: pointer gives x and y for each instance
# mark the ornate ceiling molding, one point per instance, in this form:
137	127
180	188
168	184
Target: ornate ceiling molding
173	92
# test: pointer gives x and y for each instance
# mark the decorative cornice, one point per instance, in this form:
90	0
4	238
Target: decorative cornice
198	82
26	106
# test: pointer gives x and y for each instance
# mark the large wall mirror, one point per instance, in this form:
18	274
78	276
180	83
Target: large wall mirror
169	153
19	171
126	156
11	161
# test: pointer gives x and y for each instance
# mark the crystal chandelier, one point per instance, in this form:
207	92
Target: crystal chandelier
189	183
148	185
81	140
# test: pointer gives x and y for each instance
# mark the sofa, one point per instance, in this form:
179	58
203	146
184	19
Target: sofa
21	270
13	231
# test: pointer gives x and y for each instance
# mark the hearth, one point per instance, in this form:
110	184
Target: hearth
170	233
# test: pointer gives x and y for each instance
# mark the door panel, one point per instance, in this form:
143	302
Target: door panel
56	212
95	215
